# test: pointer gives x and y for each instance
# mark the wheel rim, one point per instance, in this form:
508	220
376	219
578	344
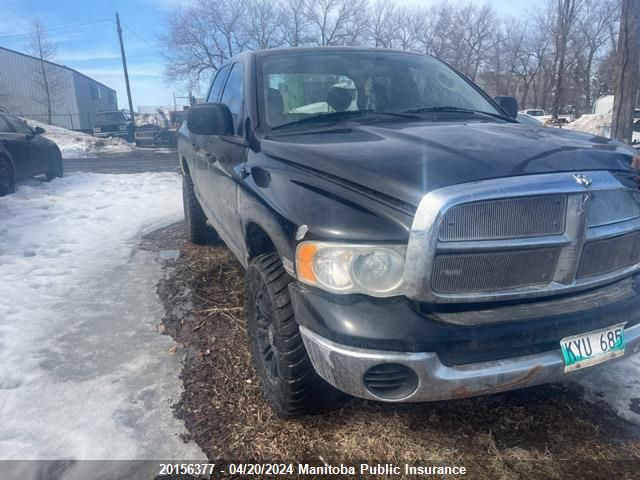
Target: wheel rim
5	178
266	333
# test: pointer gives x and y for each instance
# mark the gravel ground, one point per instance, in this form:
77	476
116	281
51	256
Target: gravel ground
540	432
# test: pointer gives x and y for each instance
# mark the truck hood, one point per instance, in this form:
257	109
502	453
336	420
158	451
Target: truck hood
407	160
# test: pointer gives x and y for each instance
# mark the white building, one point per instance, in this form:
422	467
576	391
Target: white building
75	98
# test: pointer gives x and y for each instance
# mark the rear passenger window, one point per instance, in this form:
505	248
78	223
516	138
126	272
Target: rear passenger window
218	82
233	95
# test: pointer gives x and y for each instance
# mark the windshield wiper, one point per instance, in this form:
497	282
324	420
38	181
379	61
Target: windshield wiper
458	110
323	117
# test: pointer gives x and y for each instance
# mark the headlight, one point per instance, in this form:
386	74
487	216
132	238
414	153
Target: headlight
375	270
97	129
123	127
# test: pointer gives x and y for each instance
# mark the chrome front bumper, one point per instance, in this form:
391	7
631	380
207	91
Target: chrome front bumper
344	368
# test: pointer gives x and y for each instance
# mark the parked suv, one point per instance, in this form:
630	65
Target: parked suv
114	124
406	239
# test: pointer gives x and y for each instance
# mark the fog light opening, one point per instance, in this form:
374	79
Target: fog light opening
390	381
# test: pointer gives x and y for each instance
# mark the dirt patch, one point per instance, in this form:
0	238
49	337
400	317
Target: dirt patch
540	432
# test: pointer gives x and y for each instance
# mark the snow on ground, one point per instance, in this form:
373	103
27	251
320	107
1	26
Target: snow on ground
617	384
83	372
77	144
597	124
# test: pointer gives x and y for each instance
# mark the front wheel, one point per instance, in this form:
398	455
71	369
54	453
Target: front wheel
199	232
7	177
289	383
56	166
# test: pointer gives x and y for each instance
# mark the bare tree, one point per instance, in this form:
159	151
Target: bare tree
265	23
295	24
47	77
627	72
202	36
381	28
561	53
337	22
434	27
559	21
594	32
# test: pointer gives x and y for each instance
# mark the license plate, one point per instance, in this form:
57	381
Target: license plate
591	348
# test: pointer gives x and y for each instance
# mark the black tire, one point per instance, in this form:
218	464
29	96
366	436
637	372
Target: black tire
56	166
289	383
7	177
199	232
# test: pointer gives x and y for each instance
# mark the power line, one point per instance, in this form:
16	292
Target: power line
59	28
145	42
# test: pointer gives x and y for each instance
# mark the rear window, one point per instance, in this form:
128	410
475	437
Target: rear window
110	117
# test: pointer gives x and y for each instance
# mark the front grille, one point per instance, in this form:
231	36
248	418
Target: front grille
612	206
600	257
505	218
523	237
477	272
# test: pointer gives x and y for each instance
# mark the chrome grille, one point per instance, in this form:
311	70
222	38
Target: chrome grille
477	272
520	237
610	254
612	206
505	218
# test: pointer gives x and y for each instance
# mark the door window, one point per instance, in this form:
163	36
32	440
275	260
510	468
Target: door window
19	126
218	82
233	95
4	126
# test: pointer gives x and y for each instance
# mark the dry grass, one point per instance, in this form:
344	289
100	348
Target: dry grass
541	432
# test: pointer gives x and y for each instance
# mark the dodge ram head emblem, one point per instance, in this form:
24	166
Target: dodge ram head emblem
583	180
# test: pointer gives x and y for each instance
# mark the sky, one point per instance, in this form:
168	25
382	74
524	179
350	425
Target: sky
93	48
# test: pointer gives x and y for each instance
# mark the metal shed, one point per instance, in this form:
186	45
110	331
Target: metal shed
75	98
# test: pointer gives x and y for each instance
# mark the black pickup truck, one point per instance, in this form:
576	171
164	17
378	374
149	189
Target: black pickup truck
406	239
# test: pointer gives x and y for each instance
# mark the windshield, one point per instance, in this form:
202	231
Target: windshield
110	117
298	86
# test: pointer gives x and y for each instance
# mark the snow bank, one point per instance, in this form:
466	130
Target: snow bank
77	145
83	373
596	124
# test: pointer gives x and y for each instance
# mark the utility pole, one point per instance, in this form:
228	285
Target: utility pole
627	72
126	73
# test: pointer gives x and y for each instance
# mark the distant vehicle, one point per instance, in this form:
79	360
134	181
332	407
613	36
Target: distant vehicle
114	124
25	153
529	120
538	113
604	104
534	112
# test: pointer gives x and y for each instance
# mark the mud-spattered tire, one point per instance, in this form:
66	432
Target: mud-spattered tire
289	382
199	232
56	166
7	177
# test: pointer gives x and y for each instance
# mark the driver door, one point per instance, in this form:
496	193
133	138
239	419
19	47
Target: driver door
224	157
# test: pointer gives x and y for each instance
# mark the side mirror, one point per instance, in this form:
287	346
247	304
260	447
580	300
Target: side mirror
210	119
508	104
39	130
